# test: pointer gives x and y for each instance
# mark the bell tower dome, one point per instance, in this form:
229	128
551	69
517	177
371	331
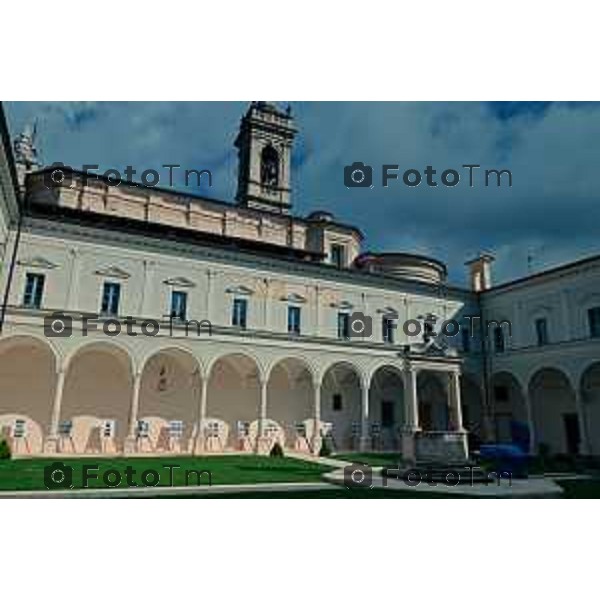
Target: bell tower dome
264	145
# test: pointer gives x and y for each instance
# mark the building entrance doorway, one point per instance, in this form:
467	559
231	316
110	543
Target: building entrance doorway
572	433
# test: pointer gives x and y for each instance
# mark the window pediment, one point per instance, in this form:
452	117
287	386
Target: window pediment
540	310
113	272
37	262
343	305
240	290
179	282
293	297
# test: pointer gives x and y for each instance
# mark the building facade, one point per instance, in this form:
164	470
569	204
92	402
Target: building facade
141	320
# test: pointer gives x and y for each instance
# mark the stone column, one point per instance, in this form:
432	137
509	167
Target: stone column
51	443
565	302
131	440
365	436
267	304
456	412
519	334
411	415
317	312
210	275
530	422
454	401
584	444
200	444
411	406
147	289
316	437
73	285
261	441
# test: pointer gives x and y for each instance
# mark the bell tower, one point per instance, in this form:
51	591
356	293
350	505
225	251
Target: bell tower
264	145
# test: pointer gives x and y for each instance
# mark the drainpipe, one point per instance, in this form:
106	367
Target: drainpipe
486	387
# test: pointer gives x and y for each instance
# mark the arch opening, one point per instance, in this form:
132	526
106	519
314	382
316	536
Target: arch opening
341	406
290	402
434	414
233	404
96	400
169	404
554	412
27	387
386	409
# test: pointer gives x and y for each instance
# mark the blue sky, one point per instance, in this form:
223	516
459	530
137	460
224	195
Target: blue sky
551	214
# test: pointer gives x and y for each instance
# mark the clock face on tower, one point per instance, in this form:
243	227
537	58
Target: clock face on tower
269	167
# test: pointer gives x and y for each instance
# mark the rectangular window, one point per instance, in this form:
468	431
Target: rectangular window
338	255
337	402
498	339
294	320
387	329
541	331
178	305
594	321
466	338
111	293
343	326
240	312
34	290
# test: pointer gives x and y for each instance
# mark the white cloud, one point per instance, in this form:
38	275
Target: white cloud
551	211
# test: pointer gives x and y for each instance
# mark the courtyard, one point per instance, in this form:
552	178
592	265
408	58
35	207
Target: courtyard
240	476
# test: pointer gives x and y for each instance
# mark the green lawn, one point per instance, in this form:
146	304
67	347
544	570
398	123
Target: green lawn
580	488
28	474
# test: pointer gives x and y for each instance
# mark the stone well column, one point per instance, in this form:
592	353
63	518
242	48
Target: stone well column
411	415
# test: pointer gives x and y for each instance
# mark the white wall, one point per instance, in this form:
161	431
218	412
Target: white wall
75	272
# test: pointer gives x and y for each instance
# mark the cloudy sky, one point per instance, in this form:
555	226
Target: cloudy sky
551	214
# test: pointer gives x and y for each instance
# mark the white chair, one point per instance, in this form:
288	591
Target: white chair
19	435
214	437
175	435
107	435
65	436
243	441
142	435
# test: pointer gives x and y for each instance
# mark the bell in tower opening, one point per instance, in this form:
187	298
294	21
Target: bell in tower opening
269	168
264	144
